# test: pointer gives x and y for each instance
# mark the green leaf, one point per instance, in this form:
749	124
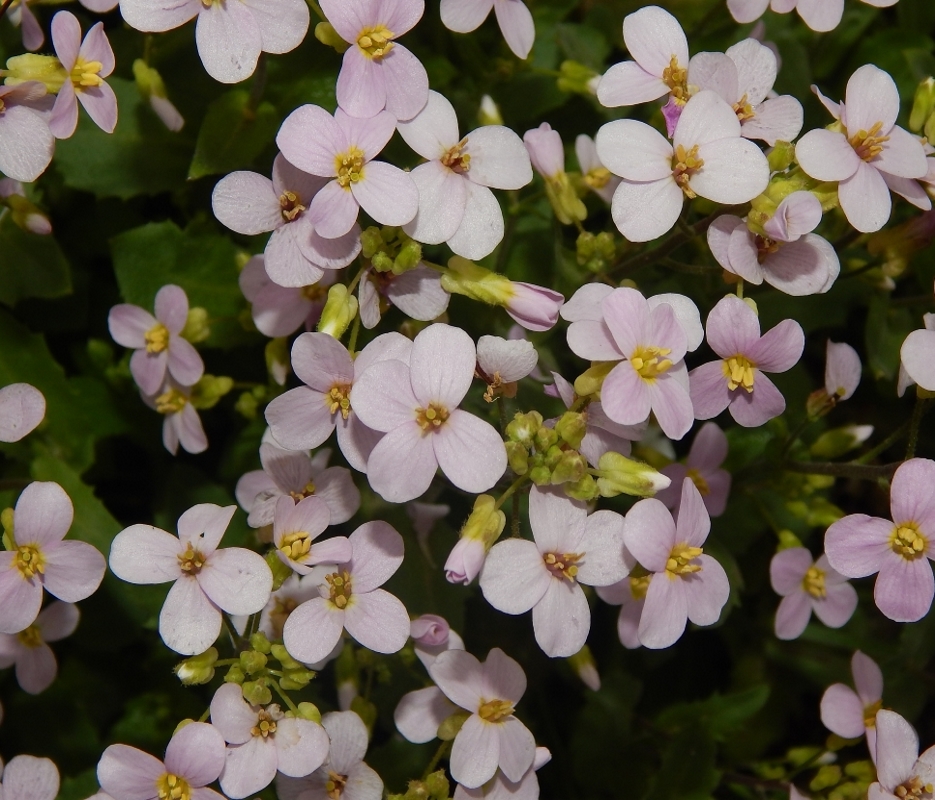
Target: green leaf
232	134
30	265
139	157
687	771
203	264
719	714
583	44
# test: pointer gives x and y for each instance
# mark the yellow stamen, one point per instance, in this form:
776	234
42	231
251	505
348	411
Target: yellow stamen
679	561
191	561
639	586
870	714
913	789
686	163
743	109
338	399
700	483
335	784
814	582
349	166
172	787
307	491
266	723
597	178
157	338
765	247
290	205
648	361
563	565
676	78
432	418
31	637
84	75
868	144
456	159
339	584
907	541
296	546
170	402
376	42
29	561
495	710
739	371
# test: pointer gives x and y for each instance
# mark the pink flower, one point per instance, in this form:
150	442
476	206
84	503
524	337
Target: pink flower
737	381
29	778
181	423
707	157
650	345
296	254
344	774
305	417
377	71
26	143
570	547
431	637
805	586
514	19
858	545
292	473
86	64
230	36
25	215
36	667
595	175
418	714
686	584
842	370
22	408
21	15
351	599
708	451
261	741
502	788
40	559
416	405
901	771
850	714
545	149
870	152
295	590
492	736
534	307
157	340
465	560
207	580
417	293
630	595
819	15
295	528
455	204
194	758
343	147
917	364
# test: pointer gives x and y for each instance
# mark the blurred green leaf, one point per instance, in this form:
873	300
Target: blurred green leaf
232	134
688	767
30	265
720	714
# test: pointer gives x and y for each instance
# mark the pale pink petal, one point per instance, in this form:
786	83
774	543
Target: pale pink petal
902	156
309	138
671	402
196	752
43	514
189	622
250	766
756	69
378	620
633	150
916	357
868	679
126	773
470	452
735	170
22	408
752	409
442	200
232	715
706	119
808	266
36	669
361	86
793	615
910	190
592	340
499	158
20	600
158	15
66	36
514	577
665	613
517	749
797	214
517	25
719	236
475	753
464	16
653	37
228	40
709	392
238	581
383	398
283	23
301	745
334	210
356	441
842	370
826	155
73	571
349	19
184	362
871	96
857	544
842	711
821	15
128	325
910	494
418	714
649	534
246	203
561	619
904	589
481	228
406	83
838	606
442	365
897	749
865	199
203	525
706	591
402	465
780	348
386	193
625	397
300	418
503	676
628	84
64	117
434	130
787	570
58	621
776	120
378	553
101	104
313	629
732	327
418	294
645	211
717	72
460	676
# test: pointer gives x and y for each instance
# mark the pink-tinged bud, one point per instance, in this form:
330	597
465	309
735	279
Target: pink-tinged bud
842	370
671	111
429	630
545	150
465	561
534	307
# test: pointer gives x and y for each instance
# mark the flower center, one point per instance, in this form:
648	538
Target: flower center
743	109
495	710
339	588
597	178
432	418
868	144
316	293
172	787
679	561
338	399
814	582
157	338
639	586
84	75
282	608
700	483
456	159
307	490
907	541
2	106
563	565
296	546
350	166
291	205
870	714
913	789
29	560
31	637
376	42
676	78
739	372
684	165
266	722
171	402
192	560
335	785
648	361
765	247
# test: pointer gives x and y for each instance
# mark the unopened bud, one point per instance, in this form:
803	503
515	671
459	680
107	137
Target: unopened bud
280	653
523	428
781	156
489	113
570	469
257	692
327	35
26	215
621	475
468	279
196	325
47	70
276	354
252	662
835	443
541	475
235	675
545	438
923	105
568	207
371	242
787	540
280	570
576	78
450	726
590	381
517	457
296	679
486	521
583	664
260	643
210	389
571	427
6	519
410	255
437	785
198	669
382	261
584	489
339	311
309	711
829	775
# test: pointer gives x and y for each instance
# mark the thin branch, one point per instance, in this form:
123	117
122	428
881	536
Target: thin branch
861	472
4	7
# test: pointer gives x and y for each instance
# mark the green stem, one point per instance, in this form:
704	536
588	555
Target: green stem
883	446
352	342
204	717
231	630
510	491
442	751
353	284
317	9
861	472
918	412
286	699
794	437
4	7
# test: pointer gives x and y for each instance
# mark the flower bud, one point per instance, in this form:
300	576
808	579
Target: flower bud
829	775
450	726
210	389
296	679
835	443
151	86
6	519
568	207
482	528
260	643
436	784
517	457
24	213
571	468
571	427
47	70
489	113
620	475
257	692
523	427
923	105
468	279
583	664
339	311
781	156
235	675
590	381
252	662
410	255
576	78
584	489
280	570
429	630
382	261
327	35
541	475
196	326
276	354
371	242
197	669
280	653
309	711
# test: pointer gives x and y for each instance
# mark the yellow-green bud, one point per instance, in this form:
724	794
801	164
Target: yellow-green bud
450	726
566	204
570	469
276	354
466	278
327	35
257	692
828	775
366	710
382	261
621	475
486	522
278	568
591	380
861	770
309	711
26	215
235	675
523	427
584	489
437	785
6	519
517	456
47	70
148	80
571	427
210	389
371	242
923	105
197	669
781	156
296	679
252	662
787	540
410	254
182	724
576	78
541	475
835	443
489	113
583	664
340	310
260	643
196	326
545	438
280	653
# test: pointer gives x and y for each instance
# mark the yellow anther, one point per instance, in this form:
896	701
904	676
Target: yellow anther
700	483
297	545
307	491
157	338
649	363
494	710
639	586
908	541
31	637
868	144
765	247
335	784
85	74
290	205
814	582
339	585
686	163
870	714
676	78
172	787
739	371
316	293
170	402
597	178
680	561
743	109
456	159
563	565
913	789
282	608
376	42
338	399
191	561
266	722
432	418
29	561
349	166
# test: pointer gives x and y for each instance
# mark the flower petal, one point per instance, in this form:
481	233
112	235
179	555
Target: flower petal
378	620
469	451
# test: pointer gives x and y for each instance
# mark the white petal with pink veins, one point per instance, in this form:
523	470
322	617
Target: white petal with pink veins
756	69
312	630
717	72
442	200
653	37
236	580
628	84
665	613
156	15
386	193
464	16
189	622
245	203
283	23
481	228
434	130
514	577
826	155
378	620
734	171
470	452
634	150
361	86
402	464
778	119
865	199
144	554
229	42
897	749
871	95
406	83
645	211
517	26
561	620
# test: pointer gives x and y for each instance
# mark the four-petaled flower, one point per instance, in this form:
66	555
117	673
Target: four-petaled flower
851	714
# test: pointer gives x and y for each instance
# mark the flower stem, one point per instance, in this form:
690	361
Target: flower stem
4	7
286	699
439	755
317	9
861	472
882	446
352	342
510	491
921	406
235	637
